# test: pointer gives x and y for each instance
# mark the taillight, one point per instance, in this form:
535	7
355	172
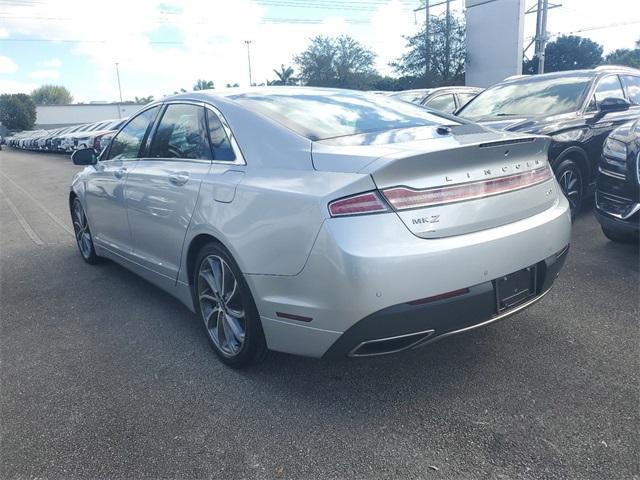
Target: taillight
402	198
360	204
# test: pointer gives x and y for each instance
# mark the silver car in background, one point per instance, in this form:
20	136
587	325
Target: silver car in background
321	222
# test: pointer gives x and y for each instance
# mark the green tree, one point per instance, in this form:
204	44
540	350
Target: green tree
568	52
336	62
144	100
17	111
625	56
204	85
285	77
446	53
51	95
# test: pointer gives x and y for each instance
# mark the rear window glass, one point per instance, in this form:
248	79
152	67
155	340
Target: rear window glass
319	116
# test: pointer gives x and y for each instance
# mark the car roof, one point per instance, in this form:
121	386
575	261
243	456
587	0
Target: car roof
594	72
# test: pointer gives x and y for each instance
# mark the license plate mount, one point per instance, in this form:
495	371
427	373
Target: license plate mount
515	288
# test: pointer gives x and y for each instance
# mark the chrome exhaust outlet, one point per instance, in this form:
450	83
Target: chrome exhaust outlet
388	345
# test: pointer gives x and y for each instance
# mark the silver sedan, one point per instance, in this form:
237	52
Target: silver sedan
322	222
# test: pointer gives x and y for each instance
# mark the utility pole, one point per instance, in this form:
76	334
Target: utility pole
447	40
248	43
542	36
119	90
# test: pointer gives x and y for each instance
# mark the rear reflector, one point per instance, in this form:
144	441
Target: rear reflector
402	198
442	296
359	204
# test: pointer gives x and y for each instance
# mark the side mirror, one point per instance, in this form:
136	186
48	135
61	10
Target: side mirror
611	104
84	156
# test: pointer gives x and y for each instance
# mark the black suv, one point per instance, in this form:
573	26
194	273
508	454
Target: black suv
618	190
578	109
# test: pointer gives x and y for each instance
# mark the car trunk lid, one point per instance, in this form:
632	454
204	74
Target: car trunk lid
469	187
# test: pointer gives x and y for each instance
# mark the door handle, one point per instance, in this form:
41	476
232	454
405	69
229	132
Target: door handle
179	178
119	173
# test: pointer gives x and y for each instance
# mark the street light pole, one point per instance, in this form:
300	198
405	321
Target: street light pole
119	89
248	43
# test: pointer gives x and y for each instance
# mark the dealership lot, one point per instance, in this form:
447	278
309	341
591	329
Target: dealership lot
103	375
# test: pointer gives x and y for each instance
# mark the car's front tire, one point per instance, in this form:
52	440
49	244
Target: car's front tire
84	240
571	183
224	303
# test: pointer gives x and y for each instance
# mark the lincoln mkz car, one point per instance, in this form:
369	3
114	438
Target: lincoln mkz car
321	222
577	109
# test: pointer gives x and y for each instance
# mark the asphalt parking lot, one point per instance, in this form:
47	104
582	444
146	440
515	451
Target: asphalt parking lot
104	376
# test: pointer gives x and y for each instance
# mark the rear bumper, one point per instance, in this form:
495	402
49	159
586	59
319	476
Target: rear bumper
406	326
360	267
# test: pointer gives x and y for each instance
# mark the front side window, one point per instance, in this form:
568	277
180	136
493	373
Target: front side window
126	144
443	103
608	87
220	144
181	134
633	88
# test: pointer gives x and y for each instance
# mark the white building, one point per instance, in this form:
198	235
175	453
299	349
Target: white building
52	116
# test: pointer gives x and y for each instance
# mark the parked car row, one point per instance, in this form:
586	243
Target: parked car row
67	139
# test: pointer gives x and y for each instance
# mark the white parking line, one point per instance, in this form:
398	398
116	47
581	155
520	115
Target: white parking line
59	222
22	221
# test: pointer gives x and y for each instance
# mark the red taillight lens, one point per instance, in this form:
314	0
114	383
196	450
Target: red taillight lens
360	204
402	198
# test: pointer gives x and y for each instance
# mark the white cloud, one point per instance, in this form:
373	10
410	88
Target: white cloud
7	65
52	63
45	74
13	86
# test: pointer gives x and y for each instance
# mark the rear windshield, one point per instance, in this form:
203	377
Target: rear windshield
413	97
319	116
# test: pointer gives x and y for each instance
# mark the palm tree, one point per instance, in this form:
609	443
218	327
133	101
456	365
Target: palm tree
203	85
285	76
144	100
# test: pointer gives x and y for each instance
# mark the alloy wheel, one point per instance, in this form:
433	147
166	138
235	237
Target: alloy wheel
221	305
81	228
570	184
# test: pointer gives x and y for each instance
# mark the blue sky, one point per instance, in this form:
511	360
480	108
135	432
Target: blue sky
164	45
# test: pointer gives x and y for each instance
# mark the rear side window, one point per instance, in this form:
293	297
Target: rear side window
181	134
220	144
633	88
126	144
443	103
608	87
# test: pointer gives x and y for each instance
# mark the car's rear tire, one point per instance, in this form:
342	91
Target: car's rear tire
619	237
84	240
571	183
226	307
